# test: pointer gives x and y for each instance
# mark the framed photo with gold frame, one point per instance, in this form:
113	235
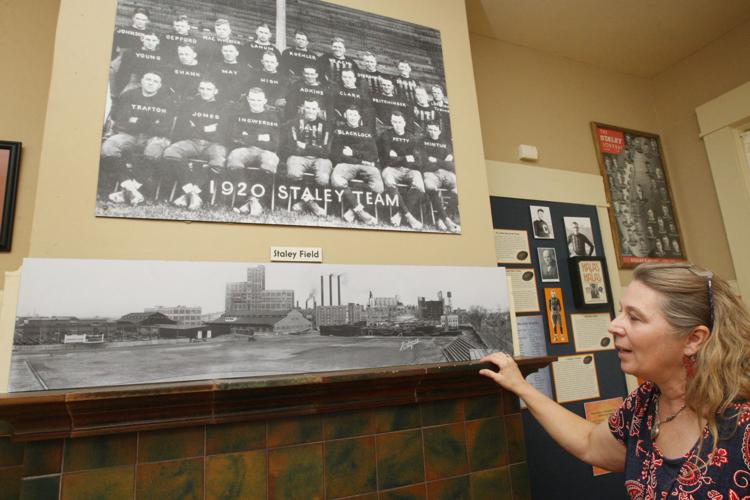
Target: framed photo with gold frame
644	221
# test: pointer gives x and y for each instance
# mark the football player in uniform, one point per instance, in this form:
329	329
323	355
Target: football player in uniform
665	213
369	74
406	86
130	37
309	87
181	35
659	249
542	229
422	112
400	159
271	80
295	59
136	62
355	154
387	102
440	105
198	132
661	226
579	244
555	309
439	171
331	65
665	242
125	39
256	49
184	77
307	143
142	118
254	138
676	248
209	44
348	94
230	75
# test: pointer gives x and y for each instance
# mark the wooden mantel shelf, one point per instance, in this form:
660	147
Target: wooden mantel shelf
89	412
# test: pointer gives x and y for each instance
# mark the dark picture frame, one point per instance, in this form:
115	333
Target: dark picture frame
588	276
644	221
10	159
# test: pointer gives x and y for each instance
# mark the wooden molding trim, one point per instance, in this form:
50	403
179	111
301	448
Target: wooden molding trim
91	412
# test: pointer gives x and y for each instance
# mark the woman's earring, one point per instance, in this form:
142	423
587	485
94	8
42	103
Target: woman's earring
689	363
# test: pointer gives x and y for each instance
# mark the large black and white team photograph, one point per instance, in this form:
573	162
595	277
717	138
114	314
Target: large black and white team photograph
646	226
84	323
311	114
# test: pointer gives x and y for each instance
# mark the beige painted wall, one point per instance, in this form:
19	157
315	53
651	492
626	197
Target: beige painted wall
27	35
712	71
71	152
531	97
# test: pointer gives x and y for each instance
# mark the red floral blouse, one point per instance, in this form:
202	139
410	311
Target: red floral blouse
649	475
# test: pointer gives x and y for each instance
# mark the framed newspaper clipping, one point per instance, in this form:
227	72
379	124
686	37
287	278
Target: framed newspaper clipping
644	221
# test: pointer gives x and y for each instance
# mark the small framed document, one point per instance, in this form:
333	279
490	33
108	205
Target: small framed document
575	378
523	289
512	246
590	331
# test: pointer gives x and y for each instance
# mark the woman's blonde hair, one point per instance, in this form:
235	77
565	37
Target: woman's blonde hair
693	297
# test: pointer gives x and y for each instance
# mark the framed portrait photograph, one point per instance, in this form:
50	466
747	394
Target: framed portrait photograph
589	279
10	159
644	222
541	223
548	269
579	236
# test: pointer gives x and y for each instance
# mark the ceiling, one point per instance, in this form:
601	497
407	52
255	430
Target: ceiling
636	37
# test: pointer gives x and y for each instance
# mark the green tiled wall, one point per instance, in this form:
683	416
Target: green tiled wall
454	449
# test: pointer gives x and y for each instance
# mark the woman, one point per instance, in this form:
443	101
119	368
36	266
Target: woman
686	432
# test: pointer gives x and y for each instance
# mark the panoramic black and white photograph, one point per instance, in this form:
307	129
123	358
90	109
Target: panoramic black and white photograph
295	112
85	323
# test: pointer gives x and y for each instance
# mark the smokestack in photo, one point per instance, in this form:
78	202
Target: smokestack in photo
330	289
338	286
322	291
